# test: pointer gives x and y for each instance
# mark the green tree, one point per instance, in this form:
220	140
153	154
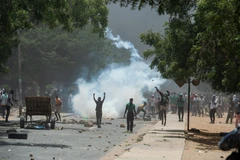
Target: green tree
201	40
171	50
55	55
217	44
16	15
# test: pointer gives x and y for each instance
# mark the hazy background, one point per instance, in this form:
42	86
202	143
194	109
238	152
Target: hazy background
122	82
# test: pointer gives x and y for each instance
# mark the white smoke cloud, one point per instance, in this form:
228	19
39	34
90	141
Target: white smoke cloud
120	83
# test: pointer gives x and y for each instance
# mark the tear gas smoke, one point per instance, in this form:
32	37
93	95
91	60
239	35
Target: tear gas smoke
120	83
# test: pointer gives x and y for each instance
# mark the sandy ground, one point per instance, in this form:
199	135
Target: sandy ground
204	145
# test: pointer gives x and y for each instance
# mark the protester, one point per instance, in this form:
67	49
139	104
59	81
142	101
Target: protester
213	107
158	106
180	105
163	105
237	114
4	103
201	106
152	105
58	106
98	109
230	113
9	104
173	102
141	109
195	105
220	106
130	110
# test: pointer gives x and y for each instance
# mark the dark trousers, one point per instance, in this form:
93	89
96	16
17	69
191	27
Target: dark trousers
212	115
163	116
230	116
8	112
130	118
99	117
160	114
152	110
3	110
180	113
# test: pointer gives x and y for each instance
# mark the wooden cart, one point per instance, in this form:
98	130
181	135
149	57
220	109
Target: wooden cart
38	106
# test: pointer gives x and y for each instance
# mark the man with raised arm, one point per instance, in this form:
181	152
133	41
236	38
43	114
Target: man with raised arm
163	105
98	109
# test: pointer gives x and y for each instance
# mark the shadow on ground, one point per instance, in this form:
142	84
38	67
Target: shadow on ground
205	140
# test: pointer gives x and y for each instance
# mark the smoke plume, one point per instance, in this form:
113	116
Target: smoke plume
120	83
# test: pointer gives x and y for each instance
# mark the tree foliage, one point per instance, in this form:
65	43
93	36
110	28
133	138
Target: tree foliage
16	15
55	55
172	49
218	43
201	40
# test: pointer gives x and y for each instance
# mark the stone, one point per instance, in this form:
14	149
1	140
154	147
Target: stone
81	122
190	134
88	124
11	130
122	125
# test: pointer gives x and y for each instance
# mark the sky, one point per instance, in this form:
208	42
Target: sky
129	24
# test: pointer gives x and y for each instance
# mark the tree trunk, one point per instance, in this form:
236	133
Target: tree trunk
42	89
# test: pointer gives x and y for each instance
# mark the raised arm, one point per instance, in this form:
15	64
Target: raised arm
104	95
159	92
94	97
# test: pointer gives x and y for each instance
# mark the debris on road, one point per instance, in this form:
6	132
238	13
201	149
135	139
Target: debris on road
122	125
88	124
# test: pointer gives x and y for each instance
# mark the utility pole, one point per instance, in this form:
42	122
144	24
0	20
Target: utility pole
188	116
20	78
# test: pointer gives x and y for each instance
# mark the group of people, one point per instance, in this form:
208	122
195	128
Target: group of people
215	105
7	101
161	105
158	107
130	109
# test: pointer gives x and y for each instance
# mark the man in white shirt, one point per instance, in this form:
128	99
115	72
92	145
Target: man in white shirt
213	108
4	103
152	105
